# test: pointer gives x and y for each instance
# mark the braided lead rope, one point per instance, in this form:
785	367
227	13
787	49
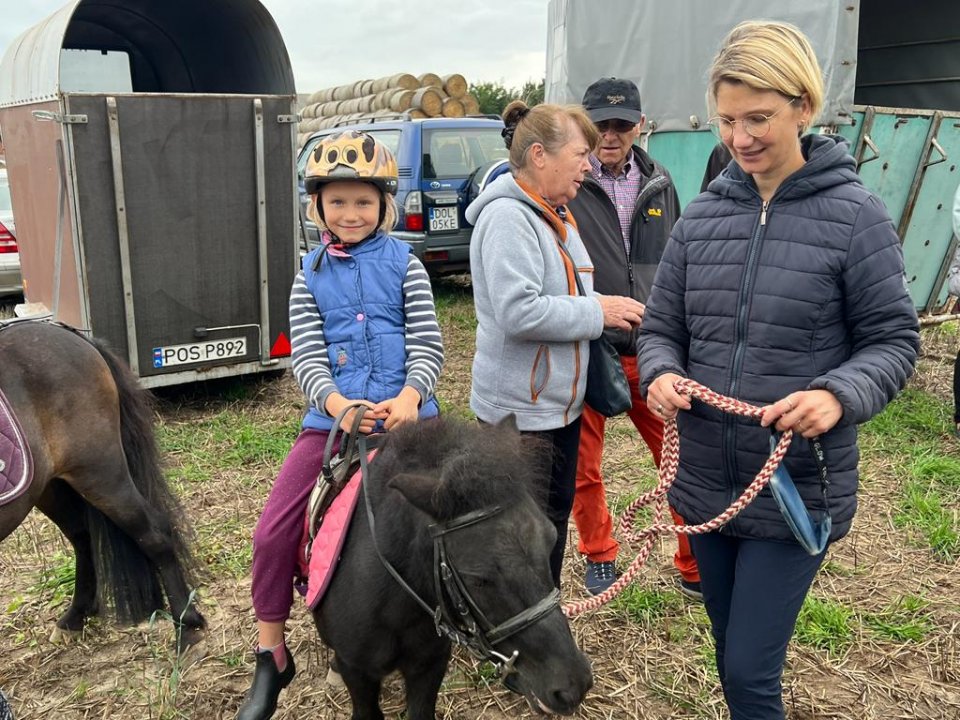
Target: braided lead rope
669	461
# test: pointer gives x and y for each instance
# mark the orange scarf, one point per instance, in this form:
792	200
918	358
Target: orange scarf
553	219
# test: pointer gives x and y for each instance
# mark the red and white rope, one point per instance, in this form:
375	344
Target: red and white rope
669	460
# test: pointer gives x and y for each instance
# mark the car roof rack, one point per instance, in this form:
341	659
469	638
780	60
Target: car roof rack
405	115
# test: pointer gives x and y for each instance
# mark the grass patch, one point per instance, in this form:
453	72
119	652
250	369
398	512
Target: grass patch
229	439
911	417
906	620
644	607
56	580
922	509
824	624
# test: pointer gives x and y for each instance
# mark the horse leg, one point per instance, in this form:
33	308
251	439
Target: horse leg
364	692
122	503
423	679
67	510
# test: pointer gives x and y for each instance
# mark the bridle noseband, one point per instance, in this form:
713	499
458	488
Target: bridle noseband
457	615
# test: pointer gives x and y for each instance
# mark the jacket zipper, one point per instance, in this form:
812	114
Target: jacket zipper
740	331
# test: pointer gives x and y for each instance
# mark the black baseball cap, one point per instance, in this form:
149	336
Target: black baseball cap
612	99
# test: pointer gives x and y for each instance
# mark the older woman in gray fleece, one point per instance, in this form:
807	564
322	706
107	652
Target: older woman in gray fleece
533	326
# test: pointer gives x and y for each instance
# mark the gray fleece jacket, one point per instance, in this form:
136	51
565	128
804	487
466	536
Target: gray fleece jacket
533	329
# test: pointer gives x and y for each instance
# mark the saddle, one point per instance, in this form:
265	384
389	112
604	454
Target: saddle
16	462
332	502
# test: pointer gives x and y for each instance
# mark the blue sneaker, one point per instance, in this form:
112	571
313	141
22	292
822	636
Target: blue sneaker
599	576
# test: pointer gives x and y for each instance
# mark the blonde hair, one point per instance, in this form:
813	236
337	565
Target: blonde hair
389	215
544	124
768	55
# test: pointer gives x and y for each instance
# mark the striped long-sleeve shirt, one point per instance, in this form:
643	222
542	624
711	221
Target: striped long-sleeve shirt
424	346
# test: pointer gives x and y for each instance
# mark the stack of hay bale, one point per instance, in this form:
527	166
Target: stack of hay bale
428	95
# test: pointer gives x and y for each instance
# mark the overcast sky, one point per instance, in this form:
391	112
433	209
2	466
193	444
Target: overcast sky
332	42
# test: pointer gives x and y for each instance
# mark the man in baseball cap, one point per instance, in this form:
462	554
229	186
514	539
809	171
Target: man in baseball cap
625	210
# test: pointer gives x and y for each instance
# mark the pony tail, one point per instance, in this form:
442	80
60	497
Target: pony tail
512	115
131	580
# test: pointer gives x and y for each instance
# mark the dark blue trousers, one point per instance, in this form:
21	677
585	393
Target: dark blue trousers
753	591
563	444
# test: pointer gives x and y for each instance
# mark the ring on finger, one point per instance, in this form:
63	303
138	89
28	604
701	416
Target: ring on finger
660	408
790	404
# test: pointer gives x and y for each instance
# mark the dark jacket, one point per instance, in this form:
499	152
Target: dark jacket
719	158
654	215
755	305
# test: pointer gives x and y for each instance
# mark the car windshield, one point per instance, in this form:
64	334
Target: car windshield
457	152
390	138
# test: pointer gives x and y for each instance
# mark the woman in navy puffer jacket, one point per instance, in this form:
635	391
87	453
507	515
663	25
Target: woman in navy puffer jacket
783	286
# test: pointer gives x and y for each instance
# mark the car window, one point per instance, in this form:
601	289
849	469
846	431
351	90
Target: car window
390	138
457	152
6	206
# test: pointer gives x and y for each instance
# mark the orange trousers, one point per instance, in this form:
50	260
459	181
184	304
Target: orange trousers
590	512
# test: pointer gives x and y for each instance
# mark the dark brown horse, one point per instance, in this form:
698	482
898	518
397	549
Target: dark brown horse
459	553
97	475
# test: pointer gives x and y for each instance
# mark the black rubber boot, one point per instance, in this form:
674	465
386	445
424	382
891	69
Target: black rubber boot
261	700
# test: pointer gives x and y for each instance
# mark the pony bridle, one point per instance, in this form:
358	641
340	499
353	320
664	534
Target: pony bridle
456	616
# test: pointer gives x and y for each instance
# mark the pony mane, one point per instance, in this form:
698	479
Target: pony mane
474	465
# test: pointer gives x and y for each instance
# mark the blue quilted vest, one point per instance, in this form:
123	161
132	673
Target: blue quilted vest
360	298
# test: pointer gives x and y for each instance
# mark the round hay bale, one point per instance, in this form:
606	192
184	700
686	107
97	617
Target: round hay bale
454	85
428	100
405	81
453	108
430	80
470	105
315	97
366	87
343	92
401	100
416	113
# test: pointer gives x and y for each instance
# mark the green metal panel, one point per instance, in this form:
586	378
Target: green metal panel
900	139
685	155
928	233
852	132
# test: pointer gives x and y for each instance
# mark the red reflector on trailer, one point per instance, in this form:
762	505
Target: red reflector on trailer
281	348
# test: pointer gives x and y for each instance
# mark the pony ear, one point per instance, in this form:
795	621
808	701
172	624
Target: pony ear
509	423
417	489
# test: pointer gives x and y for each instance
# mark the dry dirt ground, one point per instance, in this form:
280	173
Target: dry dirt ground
651	660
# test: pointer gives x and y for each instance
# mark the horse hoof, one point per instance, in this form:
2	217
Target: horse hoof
194	653
334	679
62	636
188	638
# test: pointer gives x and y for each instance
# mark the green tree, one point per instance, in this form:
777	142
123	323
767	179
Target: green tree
494	97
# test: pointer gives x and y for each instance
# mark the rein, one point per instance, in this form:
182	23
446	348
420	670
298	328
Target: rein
456	615
670	460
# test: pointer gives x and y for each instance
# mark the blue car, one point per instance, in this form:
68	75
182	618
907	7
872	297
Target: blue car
438	159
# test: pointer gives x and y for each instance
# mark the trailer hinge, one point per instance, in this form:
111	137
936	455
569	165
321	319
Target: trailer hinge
288	118
57	117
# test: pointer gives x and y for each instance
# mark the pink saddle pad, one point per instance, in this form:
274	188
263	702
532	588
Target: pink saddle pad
16	462
325	550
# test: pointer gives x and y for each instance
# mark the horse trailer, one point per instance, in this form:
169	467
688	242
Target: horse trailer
892	88
150	151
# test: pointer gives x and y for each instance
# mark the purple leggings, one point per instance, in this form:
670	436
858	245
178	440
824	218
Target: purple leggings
280	528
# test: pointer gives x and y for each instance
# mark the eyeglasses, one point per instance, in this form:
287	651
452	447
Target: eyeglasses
618	126
754	125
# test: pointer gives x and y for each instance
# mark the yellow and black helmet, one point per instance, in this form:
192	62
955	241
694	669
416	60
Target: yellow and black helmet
351	155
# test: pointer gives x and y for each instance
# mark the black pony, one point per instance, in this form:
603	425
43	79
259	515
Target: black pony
457	512
89	427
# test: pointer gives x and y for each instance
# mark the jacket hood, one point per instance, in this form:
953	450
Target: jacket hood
503	187
828	163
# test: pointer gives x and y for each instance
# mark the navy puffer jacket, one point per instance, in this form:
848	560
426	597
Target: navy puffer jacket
757	303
